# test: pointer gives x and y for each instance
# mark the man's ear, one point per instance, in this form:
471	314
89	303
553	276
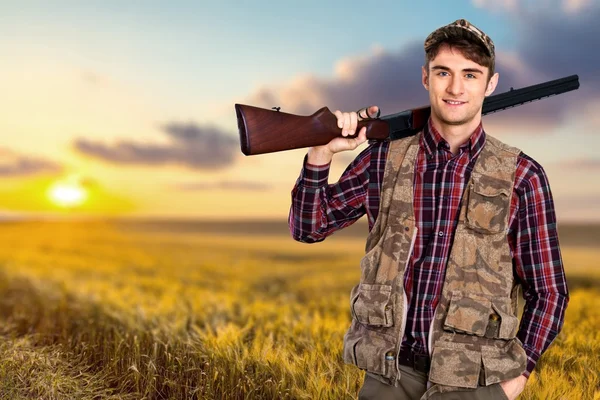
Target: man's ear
492	84
424	78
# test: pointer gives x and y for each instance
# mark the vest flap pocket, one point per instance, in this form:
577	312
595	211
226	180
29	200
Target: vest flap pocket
372	305
369	350
453	364
489	191
502	325
375	353
468	313
487	209
502	364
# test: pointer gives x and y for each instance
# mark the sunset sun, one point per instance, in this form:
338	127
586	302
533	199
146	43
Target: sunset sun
67	194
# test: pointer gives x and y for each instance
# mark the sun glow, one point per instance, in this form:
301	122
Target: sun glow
67	194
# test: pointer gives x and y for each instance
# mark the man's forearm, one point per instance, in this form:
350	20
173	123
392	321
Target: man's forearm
306	215
541	322
319	209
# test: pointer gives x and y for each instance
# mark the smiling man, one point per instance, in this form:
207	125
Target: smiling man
459	223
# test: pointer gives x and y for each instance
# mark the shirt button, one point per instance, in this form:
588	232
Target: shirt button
441	233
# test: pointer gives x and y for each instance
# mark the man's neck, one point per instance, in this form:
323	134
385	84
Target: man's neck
455	135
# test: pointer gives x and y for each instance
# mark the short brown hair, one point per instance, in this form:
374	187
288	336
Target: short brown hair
470	50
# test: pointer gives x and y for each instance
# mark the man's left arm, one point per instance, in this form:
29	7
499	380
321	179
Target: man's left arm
537	260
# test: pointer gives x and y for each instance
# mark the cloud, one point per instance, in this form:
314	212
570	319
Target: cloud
191	145
555	37
559	40
560	45
548	46
381	77
225	185
17	165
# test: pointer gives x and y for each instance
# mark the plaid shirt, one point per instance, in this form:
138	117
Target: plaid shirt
319	209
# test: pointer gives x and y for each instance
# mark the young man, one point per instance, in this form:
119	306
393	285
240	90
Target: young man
459	222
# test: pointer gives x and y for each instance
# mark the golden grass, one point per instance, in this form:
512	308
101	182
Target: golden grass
91	312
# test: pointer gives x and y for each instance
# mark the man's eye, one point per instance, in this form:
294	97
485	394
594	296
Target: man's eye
443	73
470	76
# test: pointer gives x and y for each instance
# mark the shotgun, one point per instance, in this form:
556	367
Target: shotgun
267	131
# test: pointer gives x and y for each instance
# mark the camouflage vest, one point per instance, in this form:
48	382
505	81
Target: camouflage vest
472	338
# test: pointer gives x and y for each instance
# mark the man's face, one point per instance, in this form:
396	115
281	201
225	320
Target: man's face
457	87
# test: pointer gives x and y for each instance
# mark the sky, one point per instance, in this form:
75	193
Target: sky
134	101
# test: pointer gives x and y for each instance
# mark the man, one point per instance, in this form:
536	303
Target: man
458	223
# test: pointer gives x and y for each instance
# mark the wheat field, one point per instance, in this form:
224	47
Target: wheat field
100	310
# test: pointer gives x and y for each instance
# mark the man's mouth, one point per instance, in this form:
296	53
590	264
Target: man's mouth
454	102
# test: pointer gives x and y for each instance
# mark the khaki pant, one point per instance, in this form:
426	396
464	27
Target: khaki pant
413	385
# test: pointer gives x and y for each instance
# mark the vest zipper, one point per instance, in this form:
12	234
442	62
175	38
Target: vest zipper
405	305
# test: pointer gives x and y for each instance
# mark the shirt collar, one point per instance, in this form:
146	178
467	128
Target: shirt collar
432	140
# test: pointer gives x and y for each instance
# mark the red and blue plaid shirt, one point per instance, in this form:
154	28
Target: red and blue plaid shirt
319	209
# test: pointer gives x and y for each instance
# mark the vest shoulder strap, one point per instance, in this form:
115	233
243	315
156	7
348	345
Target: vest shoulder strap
396	153
490	140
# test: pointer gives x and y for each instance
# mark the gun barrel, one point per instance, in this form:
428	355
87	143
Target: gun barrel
516	97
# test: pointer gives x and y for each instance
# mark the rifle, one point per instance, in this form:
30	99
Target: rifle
267	131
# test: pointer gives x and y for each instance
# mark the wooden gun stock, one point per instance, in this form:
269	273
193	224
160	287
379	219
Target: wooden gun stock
266	131
282	131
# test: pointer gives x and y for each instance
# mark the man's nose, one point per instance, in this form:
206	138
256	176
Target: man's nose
455	87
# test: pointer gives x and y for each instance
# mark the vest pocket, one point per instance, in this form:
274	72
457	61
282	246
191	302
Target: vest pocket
468	313
502	364
454	364
369	350
488	207
480	315
372	305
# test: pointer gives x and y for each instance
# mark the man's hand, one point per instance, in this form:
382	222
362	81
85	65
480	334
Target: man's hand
347	122
514	387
